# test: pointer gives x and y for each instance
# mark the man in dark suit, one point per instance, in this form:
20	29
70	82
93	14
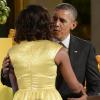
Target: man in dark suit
81	52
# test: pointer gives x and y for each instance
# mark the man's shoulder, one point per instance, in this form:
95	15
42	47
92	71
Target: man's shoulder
81	41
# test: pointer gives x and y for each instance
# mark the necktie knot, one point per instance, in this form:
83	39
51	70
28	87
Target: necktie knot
64	46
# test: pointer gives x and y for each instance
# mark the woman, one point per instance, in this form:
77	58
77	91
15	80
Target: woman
35	58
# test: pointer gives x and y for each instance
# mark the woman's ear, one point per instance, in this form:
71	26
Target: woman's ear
74	24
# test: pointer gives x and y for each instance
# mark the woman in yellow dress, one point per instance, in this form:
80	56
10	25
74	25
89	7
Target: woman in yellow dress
35	58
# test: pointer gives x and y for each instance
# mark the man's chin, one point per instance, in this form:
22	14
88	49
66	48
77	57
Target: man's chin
58	37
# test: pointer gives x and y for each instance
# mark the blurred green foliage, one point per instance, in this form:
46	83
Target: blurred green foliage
4	11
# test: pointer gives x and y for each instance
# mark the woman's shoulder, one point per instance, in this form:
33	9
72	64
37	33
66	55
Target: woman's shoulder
53	43
18	46
53	46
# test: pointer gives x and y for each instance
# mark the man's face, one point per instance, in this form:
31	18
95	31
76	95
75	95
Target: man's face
63	23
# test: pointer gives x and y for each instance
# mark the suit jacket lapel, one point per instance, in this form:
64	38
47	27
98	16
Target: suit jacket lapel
72	46
73	50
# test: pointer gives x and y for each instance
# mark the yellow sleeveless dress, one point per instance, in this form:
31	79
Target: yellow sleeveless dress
35	70
5	92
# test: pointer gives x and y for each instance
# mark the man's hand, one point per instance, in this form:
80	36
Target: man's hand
6	70
5	67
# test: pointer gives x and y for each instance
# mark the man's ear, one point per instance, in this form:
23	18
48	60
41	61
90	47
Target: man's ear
74	24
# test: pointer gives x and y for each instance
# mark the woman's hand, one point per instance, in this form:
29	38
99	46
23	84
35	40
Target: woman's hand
83	97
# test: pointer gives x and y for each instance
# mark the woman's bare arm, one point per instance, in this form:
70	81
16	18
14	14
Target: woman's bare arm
62	59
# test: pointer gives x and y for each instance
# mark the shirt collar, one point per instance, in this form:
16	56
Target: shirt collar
66	41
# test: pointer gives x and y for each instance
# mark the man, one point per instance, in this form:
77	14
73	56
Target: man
81	52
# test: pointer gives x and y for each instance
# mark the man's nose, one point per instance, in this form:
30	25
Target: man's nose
57	23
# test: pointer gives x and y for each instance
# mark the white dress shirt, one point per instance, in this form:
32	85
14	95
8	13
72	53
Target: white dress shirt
66	41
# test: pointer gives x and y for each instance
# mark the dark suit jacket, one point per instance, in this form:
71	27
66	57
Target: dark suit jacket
82	56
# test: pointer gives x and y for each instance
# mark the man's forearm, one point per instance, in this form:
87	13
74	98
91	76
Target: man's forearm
5	80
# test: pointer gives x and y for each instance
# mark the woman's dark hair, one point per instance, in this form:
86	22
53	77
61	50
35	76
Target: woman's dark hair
33	23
